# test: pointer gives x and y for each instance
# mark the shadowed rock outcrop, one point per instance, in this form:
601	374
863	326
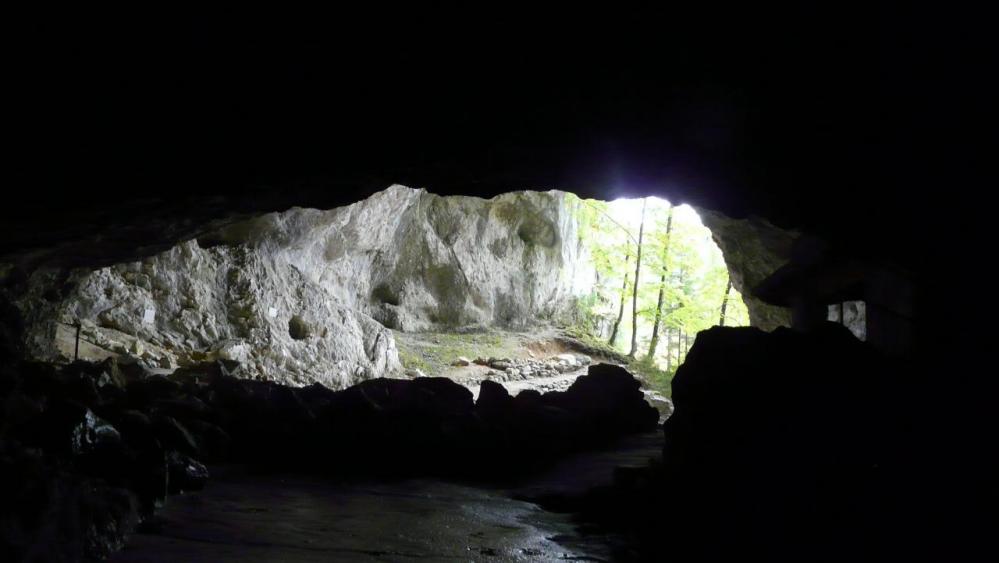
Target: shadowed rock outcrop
792	446
89	451
753	249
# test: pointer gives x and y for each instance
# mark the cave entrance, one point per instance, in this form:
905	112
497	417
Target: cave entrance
658	279
569	296
525	289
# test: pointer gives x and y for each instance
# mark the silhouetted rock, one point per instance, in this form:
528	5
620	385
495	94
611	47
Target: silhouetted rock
214	443
48	514
186	473
135	427
152	388
173	435
528	398
66	427
610	400
776	451
151	438
493	397
442	395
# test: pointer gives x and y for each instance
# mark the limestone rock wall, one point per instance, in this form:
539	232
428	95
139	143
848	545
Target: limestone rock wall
306	295
415	261
753	249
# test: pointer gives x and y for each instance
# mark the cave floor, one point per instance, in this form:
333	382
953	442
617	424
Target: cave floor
292	518
434	354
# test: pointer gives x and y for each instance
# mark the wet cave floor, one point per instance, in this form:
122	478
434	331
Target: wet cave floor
294	518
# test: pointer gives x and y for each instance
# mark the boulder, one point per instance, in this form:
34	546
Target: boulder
569	359
185	473
214	443
445	395
493	397
136	428
610	398
528	398
173	435
95	432
809	442
50	514
152	388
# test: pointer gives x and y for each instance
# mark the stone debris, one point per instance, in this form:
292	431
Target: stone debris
506	369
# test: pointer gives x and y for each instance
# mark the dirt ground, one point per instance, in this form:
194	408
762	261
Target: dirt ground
436	354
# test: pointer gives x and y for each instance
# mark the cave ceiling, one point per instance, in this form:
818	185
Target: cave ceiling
129	139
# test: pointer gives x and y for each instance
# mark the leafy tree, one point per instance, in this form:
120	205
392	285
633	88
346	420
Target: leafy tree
660	300
670	308
634	294
620	311
728	289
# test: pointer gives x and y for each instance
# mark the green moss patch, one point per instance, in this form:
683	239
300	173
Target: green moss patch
433	353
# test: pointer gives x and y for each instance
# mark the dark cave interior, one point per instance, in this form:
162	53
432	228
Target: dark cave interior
863	135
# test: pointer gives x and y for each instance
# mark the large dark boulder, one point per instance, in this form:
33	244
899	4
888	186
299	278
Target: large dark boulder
609	400
214	443
493	397
440	395
428	395
65	427
173	435
49	514
787	445
185	473
155	387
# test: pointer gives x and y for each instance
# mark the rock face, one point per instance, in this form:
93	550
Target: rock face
764	438
306	295
191	304
753	249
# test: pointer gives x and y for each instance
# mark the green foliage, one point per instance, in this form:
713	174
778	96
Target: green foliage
695	278
586	321
411	359
595	346
654	377
433	353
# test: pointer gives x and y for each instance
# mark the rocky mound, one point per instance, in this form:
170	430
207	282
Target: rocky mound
512	369
102	445
786	446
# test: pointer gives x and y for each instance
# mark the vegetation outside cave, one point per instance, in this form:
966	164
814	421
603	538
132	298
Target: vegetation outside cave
683	283
683	288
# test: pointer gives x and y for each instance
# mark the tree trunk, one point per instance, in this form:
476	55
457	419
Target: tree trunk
662	288
728	289
669	355
679	346
634	293
620	310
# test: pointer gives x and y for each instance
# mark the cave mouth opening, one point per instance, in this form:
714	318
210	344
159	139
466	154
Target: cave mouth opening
524	286
683	283
264	337
568	294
